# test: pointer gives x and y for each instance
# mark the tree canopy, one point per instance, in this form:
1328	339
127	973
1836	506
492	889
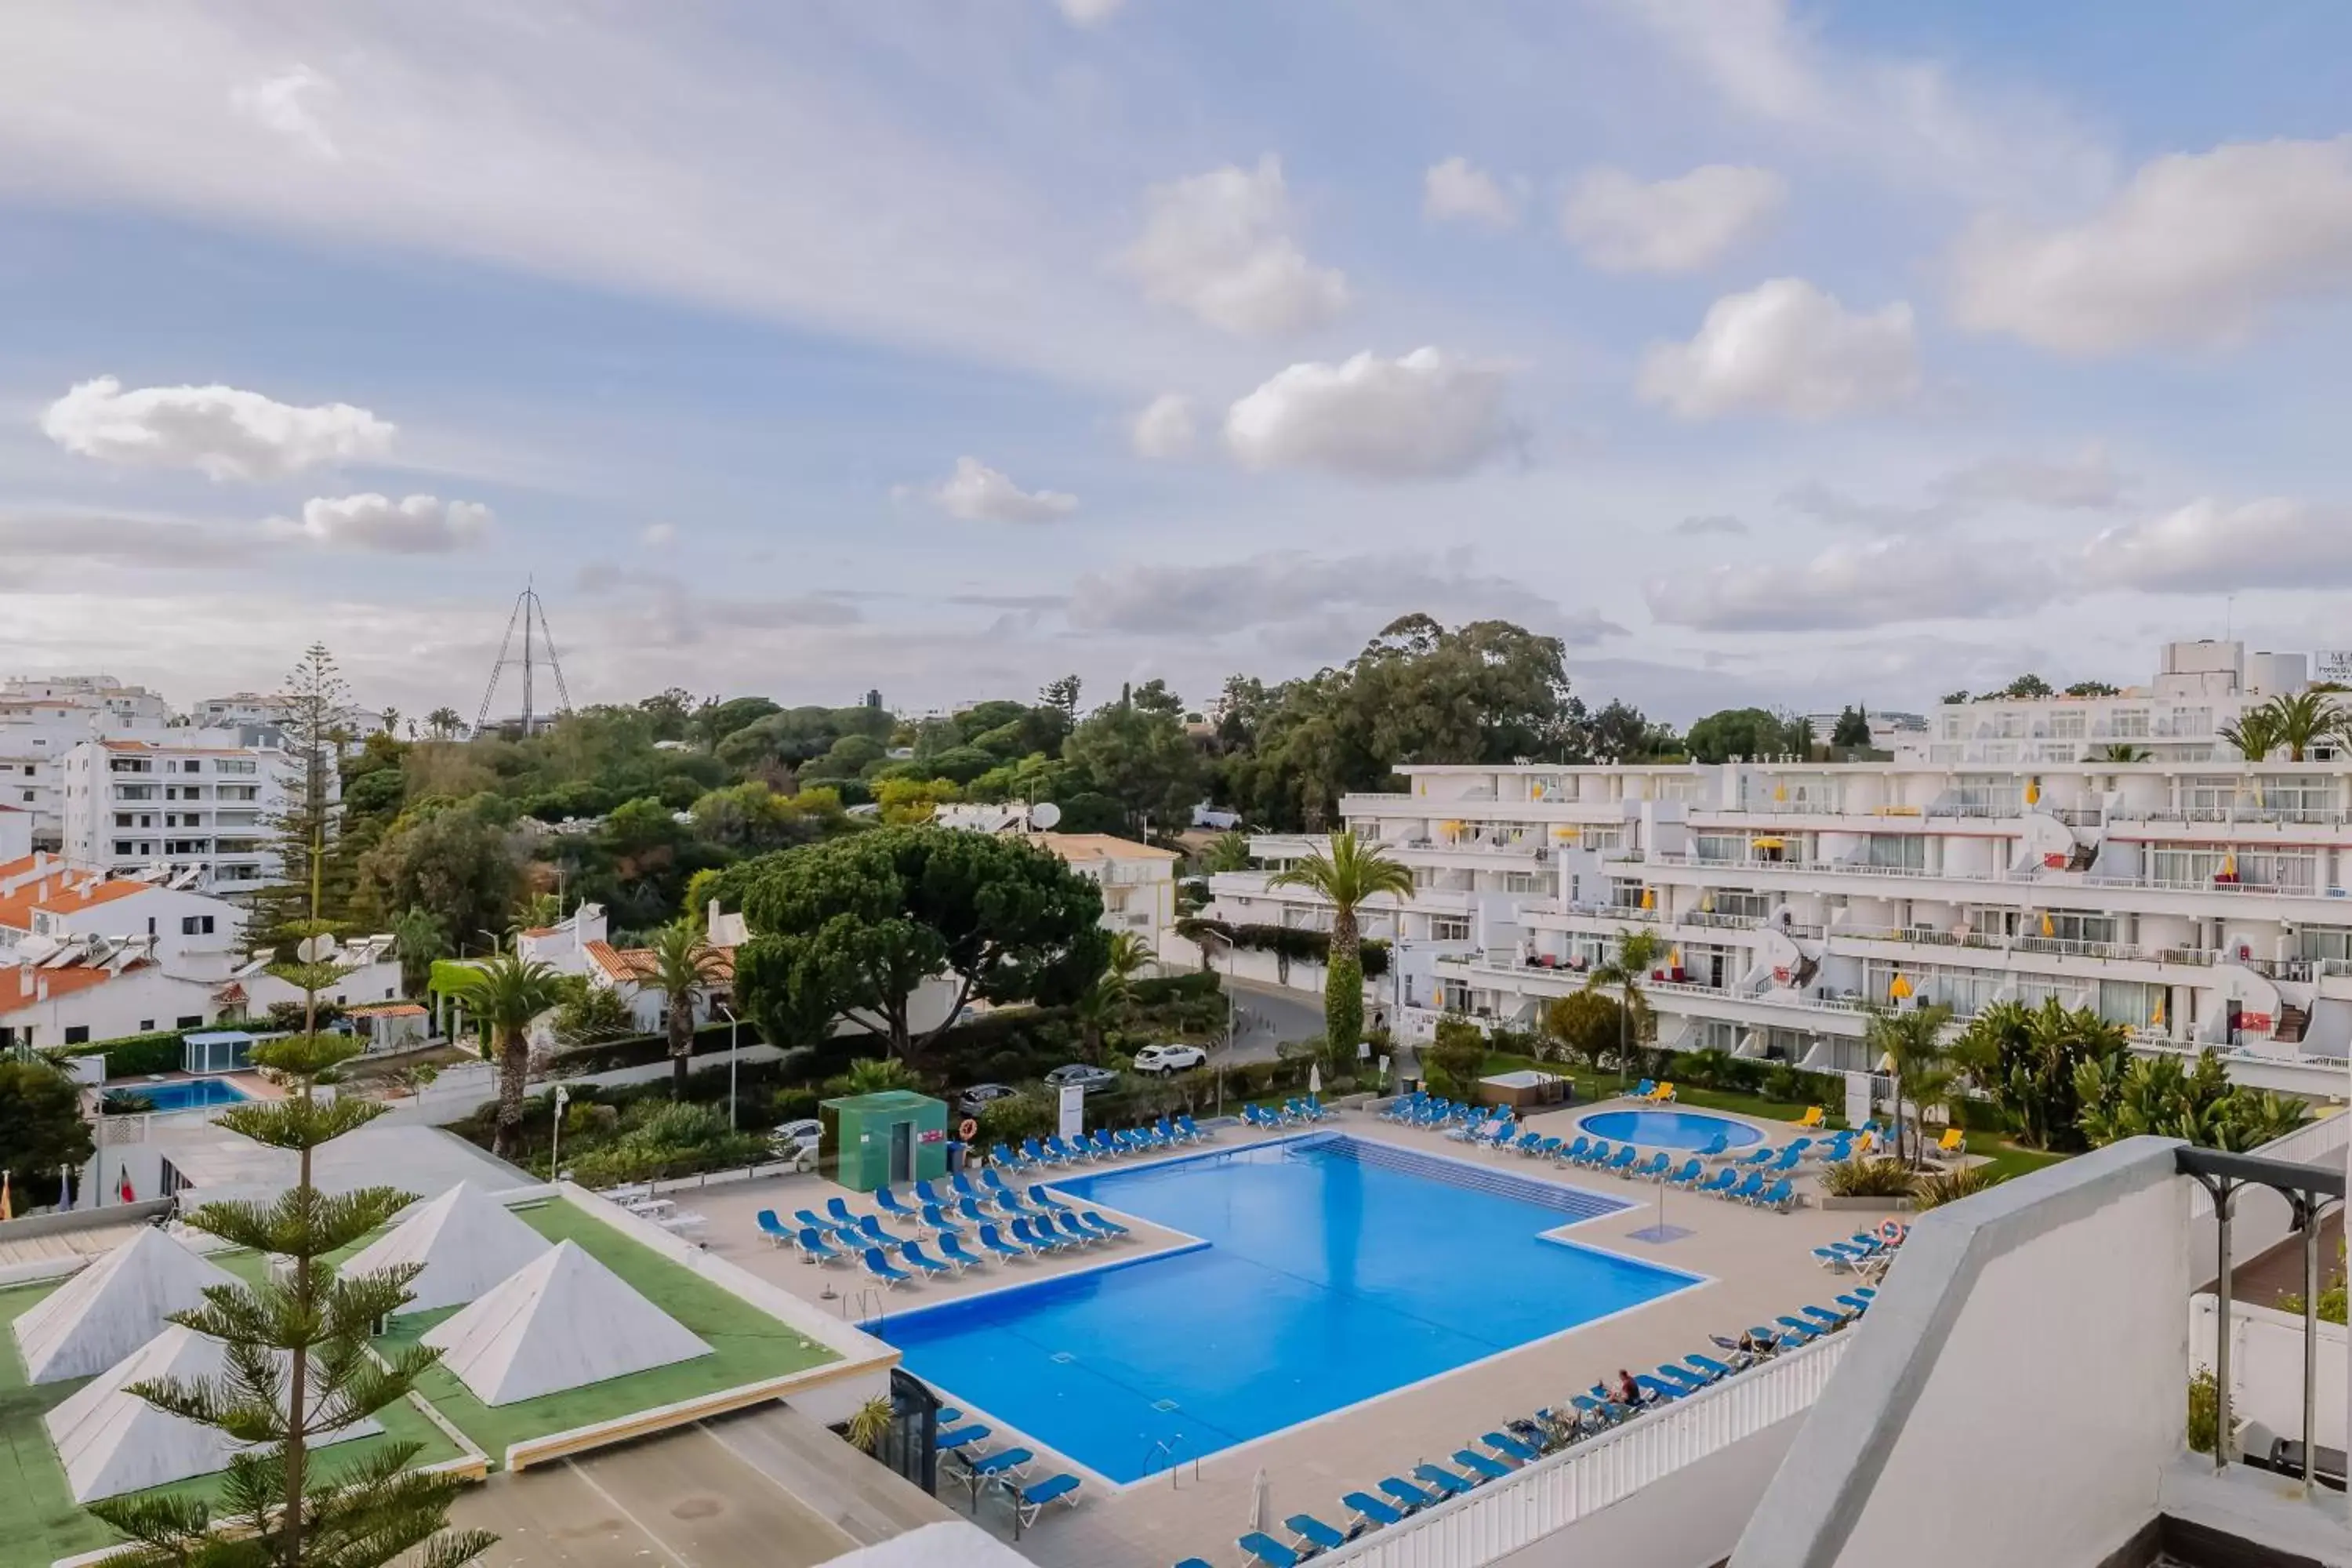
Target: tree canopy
1748	733
851	928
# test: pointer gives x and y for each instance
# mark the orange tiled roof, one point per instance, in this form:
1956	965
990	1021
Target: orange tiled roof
20	987
636	963
387	1010
60	893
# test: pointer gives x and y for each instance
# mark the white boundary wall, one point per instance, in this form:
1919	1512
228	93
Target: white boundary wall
2266	1365
1519	1517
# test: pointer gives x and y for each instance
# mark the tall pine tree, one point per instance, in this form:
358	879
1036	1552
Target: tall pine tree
315	721
299	1367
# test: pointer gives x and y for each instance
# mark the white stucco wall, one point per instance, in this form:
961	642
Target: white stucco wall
1690	1518
2266	1367
2060	1391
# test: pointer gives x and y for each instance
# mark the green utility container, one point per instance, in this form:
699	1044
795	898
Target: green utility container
889	1139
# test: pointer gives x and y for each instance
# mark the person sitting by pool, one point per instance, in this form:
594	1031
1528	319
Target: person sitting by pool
1753	1343
1628	1390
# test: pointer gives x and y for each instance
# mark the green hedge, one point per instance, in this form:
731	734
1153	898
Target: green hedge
135	1056
1291	941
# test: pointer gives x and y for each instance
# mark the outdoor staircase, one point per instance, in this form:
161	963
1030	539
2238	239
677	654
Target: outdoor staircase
2081	859
2291	1025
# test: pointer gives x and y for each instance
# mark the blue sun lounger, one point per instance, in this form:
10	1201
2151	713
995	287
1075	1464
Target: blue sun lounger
996	1244
1824	1317
1748	1190
961	1184
1032	1498
1045	1200
1318	1535
1036	1238
1717	1147
1037	1153
1065	1224
879	1268
1800	1329
1681	1382
775	1230
1196	1134
1369	1513
1002	1155
1444	1479
912	1254
888	1203
1573	1152
960	1437
1653	1169
1624	1163
1692	1172
811	1246
871	1229
812	1220
1721	1182
1597	1154
1709	1365
1110	1230
1645	1090
951	1248
969	1211
1265	1551
1655	1388
838	1210
1511	1447
1480	1466
1410	1498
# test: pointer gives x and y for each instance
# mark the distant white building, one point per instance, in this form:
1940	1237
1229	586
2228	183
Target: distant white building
2198	688
42	719
195	812
1137	881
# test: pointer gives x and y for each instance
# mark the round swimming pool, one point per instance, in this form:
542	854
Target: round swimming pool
1669	1129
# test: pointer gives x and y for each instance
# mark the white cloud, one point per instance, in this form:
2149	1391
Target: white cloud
978	493
220	431
1696	527
280	104
1295	588
1785	348
1826	503
2087	481
414	525
2207	547
1876	583
1090	12
1910	120
2197	248
1166	428
1428	413
657	534
1621	225
131	544
1459	189
1218	245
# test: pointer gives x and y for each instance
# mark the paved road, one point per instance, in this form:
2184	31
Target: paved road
1265	1015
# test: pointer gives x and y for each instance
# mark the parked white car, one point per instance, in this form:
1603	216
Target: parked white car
1169	1058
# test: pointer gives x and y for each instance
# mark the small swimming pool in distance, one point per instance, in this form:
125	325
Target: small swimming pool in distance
1335	1269
1665	1129
185	1094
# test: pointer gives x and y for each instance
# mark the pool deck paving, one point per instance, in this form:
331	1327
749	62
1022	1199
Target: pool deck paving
1758	1265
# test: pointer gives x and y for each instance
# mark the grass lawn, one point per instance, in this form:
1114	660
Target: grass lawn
39	1520
747	1345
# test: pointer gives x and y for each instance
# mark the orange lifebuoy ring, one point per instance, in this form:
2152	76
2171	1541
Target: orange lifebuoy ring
966	1128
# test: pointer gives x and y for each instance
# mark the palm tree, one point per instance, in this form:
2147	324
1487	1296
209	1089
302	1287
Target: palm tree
685	968
2255	733
537	912
1638	953
1909	1044
1228	851
2304	720
1111	999
444	724
2120	752
1348	873
504	994
391	722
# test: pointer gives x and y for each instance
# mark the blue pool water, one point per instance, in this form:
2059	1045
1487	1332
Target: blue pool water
1669	1129
186	1094
1335	1269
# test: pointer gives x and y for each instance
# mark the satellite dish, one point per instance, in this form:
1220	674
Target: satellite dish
315	949
1044	815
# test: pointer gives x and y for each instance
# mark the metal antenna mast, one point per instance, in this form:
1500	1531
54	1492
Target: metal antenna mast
531	615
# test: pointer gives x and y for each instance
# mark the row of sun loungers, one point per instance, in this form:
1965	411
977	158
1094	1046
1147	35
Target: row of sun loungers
1496	1454
1290	1113
1090	1148
984	1468
1864	1250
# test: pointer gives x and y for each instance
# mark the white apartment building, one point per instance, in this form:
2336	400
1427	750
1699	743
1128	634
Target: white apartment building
1137	881
198	810
42	718
251	709
46	903
2200	688
2200	904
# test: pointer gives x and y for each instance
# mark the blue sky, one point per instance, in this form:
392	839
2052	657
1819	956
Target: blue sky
1793	353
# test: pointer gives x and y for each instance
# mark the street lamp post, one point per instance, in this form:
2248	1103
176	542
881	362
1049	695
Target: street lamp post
555	1145
734	1029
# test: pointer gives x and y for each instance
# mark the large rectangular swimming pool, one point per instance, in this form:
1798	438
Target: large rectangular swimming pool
185	1094
1335	1269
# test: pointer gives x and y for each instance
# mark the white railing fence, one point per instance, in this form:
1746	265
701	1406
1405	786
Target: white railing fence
1561	1488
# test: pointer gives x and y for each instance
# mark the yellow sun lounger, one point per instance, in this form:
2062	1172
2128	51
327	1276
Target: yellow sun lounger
1954	1143
1662	1095
1813	1116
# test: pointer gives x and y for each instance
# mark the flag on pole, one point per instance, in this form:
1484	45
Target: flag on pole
127	1195
7	1208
